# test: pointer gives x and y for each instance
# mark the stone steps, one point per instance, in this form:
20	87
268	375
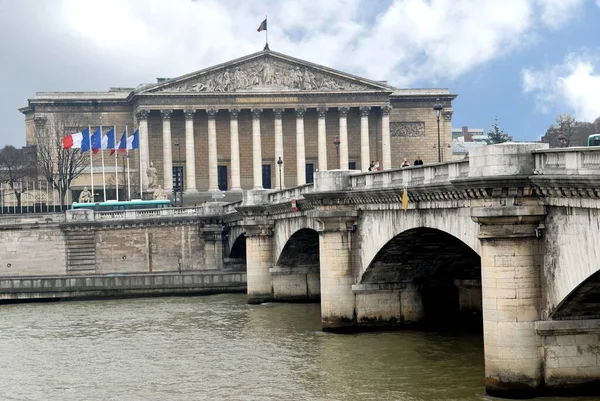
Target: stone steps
81	250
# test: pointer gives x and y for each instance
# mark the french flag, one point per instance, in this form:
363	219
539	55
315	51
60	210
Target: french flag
74	141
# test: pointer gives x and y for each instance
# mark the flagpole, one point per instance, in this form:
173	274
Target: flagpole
127	157
102	156
91	161
141	181
266	34
116	164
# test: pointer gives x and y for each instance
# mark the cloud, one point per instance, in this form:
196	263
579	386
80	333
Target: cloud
556	13
573	84
95	44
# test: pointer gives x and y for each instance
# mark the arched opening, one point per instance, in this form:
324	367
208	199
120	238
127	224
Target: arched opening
237	254
296	276
436	275
582	303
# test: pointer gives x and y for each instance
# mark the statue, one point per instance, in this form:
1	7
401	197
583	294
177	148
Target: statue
159	194
152	174
85	196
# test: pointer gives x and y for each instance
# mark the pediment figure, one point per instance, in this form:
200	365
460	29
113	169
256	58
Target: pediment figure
267	71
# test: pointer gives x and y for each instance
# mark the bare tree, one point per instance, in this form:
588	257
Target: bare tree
57	165
567	126
17	165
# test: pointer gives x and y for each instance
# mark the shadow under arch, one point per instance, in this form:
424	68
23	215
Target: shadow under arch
581	303
236	259
296	275
437	274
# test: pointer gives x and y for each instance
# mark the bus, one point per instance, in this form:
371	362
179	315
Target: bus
123	205
594	140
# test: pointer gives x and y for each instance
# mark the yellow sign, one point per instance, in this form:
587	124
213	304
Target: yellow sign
266	100
405	199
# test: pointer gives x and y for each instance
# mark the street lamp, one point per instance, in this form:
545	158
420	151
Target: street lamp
336	143
438	110
279	163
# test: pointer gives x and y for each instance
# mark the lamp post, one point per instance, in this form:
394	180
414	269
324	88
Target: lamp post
438	110
279	164
336	143
179	176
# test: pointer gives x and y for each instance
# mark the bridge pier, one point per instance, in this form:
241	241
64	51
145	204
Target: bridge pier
335	257
213	246
511	257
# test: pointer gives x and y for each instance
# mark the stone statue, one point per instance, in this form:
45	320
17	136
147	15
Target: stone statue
152	174
159	194
85	196
267	74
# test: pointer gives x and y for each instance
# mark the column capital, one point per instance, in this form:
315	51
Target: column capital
166	114
39	121
256	112
278	112
343	111
334	220
142	114
300	112
364	111
234	113
189	114
385	110
212	113
322	111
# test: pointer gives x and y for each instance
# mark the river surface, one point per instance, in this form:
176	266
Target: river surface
220	348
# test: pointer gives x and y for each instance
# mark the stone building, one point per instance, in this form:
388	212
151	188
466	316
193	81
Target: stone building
225	127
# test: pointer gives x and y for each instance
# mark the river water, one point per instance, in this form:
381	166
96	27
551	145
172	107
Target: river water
220	348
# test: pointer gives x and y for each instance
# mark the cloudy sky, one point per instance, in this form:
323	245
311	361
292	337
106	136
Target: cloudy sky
524	61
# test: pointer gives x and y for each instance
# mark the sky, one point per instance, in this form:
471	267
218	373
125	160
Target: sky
522	61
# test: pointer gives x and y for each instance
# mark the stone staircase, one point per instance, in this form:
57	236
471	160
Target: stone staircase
81	250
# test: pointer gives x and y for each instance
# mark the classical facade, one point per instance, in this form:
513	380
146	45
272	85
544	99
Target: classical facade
226	127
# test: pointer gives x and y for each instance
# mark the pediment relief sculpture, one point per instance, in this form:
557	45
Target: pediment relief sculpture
267	74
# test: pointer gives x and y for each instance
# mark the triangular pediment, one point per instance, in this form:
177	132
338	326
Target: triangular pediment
266	71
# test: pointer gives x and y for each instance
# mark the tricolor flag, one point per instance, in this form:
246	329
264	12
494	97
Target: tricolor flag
262	26
122	147
74	141
133	142
109	141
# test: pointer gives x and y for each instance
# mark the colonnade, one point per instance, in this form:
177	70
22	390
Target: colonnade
257	153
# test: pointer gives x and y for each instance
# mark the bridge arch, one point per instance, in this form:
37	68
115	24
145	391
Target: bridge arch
581	303
377	228
296	274
436	273
236	257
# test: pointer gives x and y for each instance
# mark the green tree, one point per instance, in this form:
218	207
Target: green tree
496	134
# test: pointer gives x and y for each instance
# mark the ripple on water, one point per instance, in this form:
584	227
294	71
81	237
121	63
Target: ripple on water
218	347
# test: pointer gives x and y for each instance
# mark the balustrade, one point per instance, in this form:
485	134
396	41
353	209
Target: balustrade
568	161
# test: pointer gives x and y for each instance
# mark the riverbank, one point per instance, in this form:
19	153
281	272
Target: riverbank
96	286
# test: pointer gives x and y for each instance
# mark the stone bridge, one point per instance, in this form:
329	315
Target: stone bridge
510	237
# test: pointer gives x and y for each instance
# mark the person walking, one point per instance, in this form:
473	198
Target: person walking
405	163
371	165
418	162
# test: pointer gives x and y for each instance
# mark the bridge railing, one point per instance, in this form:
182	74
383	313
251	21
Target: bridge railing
289	193
567	161
439	173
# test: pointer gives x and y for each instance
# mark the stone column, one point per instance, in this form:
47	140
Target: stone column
343	137
259	259
142	117
300	156
279	177
235	149
335	249
213	184
322	138
190	157
364	138
511	259
386	144
167	151
256	149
